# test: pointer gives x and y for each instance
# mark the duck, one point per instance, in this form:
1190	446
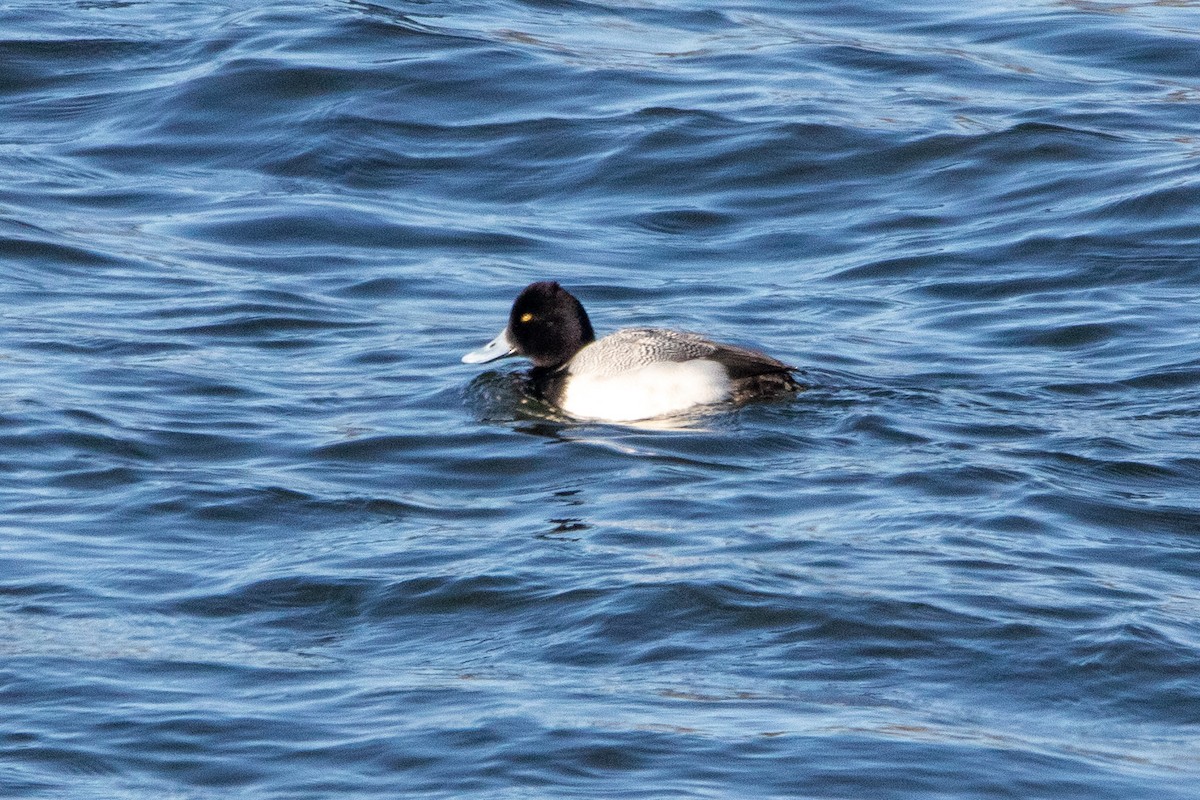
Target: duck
629	375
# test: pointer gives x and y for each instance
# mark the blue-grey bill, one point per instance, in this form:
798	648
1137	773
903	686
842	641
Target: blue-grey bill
496	348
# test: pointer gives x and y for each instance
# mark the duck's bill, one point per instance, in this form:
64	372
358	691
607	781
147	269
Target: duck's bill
496	348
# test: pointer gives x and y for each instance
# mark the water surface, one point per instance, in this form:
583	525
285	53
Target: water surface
265	536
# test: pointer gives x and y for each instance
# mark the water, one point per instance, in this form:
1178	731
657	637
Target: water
264	536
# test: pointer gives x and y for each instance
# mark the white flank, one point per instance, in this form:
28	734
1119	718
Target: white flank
655	390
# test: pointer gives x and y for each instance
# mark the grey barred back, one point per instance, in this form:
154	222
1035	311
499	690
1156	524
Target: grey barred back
631	348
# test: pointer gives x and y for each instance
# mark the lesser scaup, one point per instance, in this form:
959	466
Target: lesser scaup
633	374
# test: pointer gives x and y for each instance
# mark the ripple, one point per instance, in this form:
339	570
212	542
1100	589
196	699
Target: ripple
683	221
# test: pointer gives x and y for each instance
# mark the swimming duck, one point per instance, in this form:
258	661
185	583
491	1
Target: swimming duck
632	374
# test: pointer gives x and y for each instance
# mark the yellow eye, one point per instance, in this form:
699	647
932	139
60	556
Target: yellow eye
526	317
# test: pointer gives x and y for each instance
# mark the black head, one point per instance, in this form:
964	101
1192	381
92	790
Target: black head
548	325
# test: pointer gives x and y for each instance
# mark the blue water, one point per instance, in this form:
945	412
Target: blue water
263	536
